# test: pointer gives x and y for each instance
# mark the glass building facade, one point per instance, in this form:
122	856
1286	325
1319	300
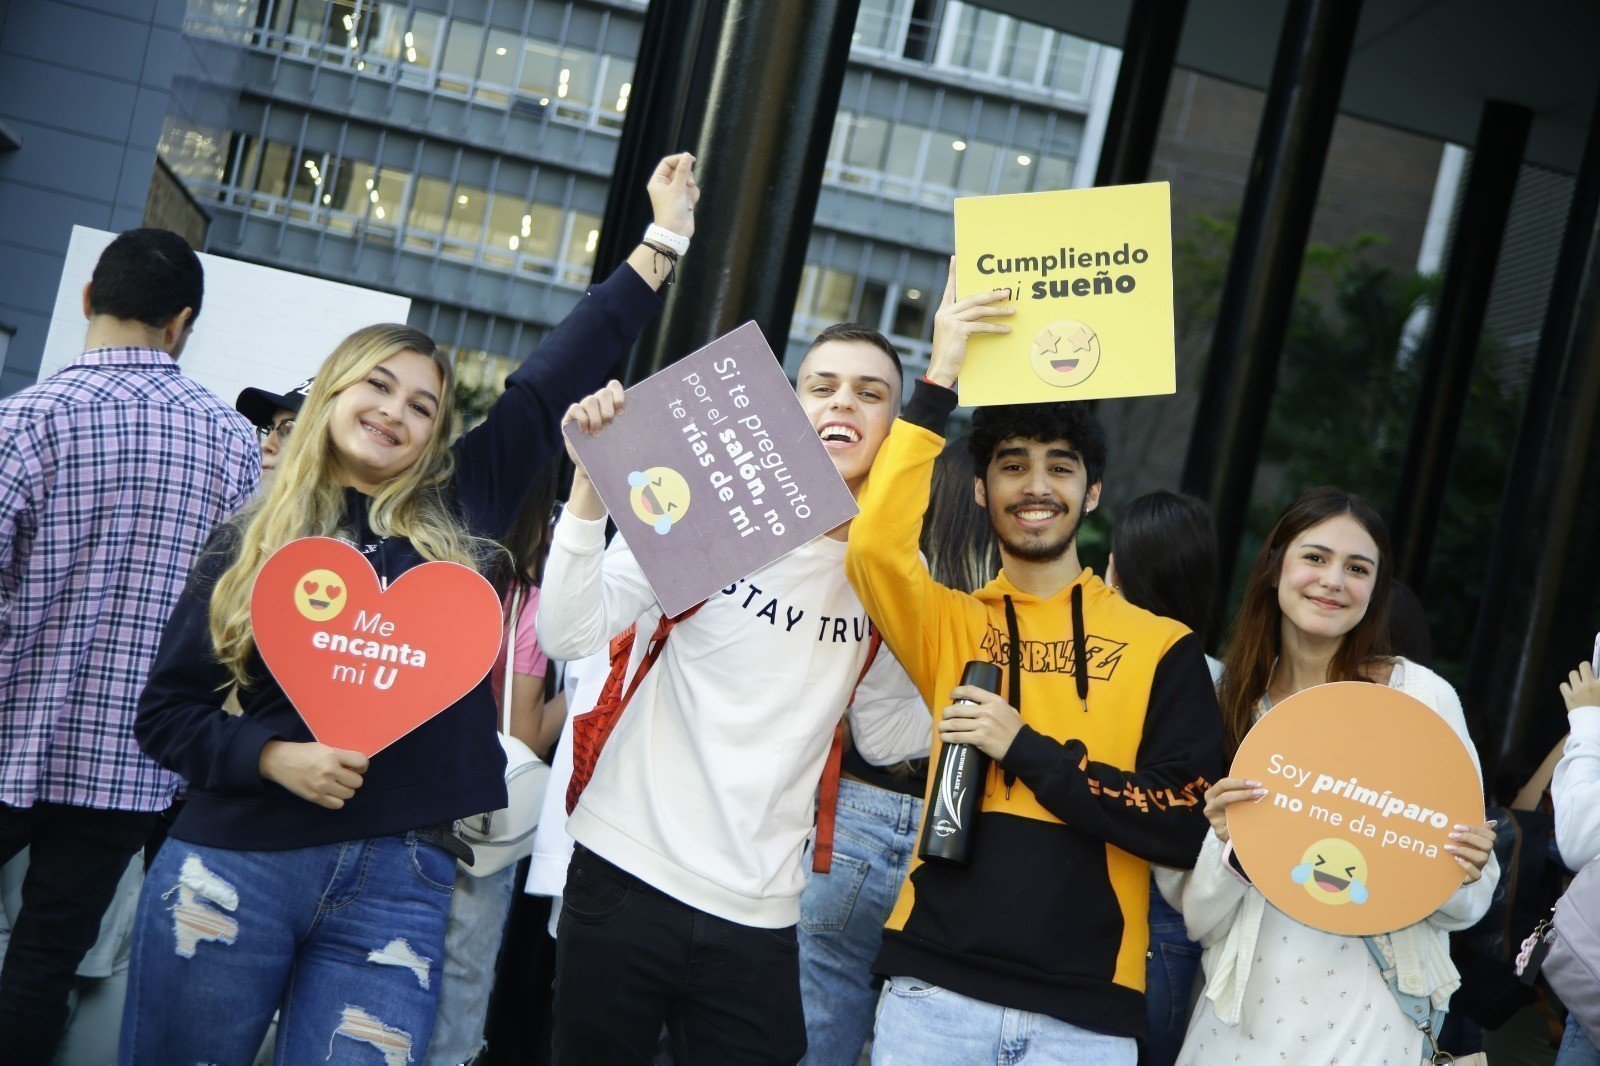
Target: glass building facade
459	152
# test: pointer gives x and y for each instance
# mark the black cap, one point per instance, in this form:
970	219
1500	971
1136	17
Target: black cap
259	405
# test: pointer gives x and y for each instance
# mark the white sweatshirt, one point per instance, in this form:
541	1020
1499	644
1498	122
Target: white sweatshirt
1575	790
706	789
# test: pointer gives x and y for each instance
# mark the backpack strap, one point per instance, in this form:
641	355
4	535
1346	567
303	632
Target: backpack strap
828	790
592	729
1419	1010
513	618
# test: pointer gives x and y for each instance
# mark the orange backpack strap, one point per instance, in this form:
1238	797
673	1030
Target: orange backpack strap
592	729
828	790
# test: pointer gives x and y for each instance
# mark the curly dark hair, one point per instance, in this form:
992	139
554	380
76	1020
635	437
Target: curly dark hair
1042	422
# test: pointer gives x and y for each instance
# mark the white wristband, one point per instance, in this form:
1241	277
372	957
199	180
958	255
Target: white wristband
676	243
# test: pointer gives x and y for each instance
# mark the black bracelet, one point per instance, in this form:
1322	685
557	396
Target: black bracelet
669	255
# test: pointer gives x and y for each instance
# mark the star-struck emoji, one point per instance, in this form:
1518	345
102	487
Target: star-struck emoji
1046	342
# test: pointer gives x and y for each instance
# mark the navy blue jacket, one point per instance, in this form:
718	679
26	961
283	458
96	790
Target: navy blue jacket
450	767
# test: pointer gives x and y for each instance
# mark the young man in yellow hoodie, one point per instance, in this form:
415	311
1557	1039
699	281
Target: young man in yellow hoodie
1103	742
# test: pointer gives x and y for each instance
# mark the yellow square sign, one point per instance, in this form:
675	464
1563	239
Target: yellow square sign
1091	275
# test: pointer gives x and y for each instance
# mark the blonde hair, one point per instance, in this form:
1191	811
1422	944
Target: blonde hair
307	498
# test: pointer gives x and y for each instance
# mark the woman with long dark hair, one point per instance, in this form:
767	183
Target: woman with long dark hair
1315	610
1164	559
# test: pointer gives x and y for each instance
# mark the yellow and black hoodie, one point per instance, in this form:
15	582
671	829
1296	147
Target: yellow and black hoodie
1106	776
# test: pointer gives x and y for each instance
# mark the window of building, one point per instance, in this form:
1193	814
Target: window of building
305	19
540	234
1020	61
977	41
880	26
575	80
430	203
305	193
905	152
540	62
976	35
977	167
459	67
386	195
1069	65
272	181
827	295
911	311
464	224
869	308
583	237
421	46
499	72
944	163
616	89
196	152
383	34
1016	171
503	241
1054	172
349	194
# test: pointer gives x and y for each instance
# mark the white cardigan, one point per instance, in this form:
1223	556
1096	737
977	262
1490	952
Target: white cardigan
1575	789
1223	911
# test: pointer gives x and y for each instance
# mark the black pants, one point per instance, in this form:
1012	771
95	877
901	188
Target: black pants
630	959
77	858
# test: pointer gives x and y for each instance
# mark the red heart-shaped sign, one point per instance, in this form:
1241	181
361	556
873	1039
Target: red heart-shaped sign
364	665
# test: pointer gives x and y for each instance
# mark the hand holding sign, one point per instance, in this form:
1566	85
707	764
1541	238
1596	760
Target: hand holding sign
1350	831
364	665
711	469
325	776
956	323
1090	274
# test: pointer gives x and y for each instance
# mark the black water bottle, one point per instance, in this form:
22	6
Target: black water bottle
950	826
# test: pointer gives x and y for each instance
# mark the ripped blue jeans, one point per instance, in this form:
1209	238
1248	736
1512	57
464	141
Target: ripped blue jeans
342	940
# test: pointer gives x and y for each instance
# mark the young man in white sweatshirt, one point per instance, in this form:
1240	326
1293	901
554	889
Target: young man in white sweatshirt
683	893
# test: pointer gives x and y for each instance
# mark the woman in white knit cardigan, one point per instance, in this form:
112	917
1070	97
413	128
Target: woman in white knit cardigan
1315	610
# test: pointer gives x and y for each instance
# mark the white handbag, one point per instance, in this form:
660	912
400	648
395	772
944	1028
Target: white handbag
500	838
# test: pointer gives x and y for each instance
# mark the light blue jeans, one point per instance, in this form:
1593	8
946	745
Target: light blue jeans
478	911
1576	1048
842	914
343	940
920	1023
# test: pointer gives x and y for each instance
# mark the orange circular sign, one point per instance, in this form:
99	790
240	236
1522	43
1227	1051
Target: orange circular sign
1364	786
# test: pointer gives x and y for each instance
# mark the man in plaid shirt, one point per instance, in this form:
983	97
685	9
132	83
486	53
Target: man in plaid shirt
113	471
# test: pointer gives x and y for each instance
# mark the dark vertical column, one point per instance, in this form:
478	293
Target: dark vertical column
666	77
1457	327
750	87
1148	51
1302	102
1533	616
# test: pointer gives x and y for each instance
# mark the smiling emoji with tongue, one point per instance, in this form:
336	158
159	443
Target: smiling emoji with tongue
659	496
1334	872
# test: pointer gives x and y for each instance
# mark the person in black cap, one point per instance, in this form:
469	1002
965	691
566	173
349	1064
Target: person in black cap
273	416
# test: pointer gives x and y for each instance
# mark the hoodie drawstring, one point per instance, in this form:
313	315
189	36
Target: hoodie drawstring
1080	648
1014	676
1080	658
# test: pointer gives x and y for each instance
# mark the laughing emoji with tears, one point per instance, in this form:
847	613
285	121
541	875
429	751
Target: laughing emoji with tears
1334	872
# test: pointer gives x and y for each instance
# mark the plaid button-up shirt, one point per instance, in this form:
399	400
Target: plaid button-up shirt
113	471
